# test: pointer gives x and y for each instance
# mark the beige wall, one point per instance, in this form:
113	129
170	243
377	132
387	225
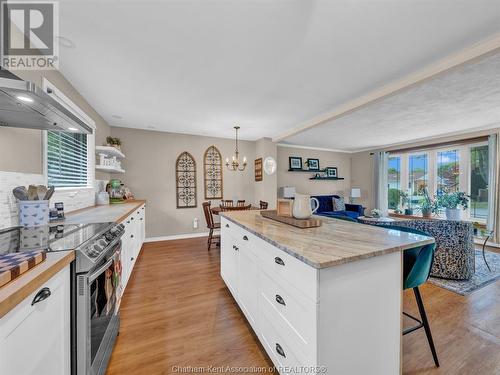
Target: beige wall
301	180
267	189
150	174
362	176
21	149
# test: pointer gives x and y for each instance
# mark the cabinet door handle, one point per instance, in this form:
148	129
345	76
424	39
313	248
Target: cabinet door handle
279	261
280	350
227	225
142	208
128	222
131	259
43	294
131	236
138	212
236	248
140	218
245	238
280	300
131	218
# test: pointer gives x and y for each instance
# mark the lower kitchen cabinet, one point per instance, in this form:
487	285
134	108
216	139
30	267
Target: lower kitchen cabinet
338	320
132	241
35	335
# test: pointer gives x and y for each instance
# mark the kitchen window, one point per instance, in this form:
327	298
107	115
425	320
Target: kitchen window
67	159
69	156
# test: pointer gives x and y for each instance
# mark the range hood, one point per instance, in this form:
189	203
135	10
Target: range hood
25	105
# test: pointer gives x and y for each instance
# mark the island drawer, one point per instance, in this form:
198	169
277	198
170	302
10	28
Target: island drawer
287	270
281	354
292	314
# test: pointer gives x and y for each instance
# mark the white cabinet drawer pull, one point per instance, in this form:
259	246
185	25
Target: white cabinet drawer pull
280	350
236	248
280	300
43	294
245	238
140	219
227	225
279	261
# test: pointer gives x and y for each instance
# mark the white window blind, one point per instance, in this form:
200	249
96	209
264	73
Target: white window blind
67	159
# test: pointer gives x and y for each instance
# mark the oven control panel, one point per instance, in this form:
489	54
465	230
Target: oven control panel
100	244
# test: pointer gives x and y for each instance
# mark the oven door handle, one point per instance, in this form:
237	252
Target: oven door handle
104	267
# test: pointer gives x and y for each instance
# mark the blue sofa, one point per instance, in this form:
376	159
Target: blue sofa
326	207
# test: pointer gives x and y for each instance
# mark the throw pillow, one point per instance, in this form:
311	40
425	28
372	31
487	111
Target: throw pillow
338	204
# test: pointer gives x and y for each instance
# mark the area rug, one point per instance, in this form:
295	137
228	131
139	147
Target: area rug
481	278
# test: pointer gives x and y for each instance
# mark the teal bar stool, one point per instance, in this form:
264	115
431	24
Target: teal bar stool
417	264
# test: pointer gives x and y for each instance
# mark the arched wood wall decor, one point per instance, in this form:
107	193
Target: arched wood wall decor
212	173
185	177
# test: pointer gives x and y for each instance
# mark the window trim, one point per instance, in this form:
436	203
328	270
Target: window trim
70	105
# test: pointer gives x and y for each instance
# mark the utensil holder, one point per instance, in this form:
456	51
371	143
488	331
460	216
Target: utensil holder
33	213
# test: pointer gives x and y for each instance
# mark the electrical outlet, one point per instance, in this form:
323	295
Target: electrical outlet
195	223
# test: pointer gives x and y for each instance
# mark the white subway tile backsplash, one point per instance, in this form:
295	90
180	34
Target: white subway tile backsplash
73	199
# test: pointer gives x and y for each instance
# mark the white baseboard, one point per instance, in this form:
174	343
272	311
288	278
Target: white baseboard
176	237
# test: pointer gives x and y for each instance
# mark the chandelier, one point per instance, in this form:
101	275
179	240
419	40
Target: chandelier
234	165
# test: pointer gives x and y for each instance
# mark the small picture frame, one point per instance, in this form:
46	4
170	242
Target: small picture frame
313	164
258	169
331	172
295	162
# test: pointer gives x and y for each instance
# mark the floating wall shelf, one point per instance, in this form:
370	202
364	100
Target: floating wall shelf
326	178
306	170
104	168
109	151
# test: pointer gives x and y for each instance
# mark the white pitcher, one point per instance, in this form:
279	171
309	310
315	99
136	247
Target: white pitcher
302	206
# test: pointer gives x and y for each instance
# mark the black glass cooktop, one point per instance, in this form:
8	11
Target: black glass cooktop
52	237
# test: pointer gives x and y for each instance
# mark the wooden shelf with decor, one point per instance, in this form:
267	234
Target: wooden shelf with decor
109	151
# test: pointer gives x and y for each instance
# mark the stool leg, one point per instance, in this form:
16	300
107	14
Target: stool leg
425	322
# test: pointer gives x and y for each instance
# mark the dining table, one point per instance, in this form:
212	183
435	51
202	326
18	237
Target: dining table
216	210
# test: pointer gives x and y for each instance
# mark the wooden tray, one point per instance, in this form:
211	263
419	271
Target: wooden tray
299	223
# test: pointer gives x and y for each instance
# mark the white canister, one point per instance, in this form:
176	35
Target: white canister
33	213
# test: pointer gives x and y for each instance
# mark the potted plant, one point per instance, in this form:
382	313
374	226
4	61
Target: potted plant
452	202
113	142
405	200
427	205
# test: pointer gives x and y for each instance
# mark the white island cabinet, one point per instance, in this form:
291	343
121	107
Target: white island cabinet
35	335
319	300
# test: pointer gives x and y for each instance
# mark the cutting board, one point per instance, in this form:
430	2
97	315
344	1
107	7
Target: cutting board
14	264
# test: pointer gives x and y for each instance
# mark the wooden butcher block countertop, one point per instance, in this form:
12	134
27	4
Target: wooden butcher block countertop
21	287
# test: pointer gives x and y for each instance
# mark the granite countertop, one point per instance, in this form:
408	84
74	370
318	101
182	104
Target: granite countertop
335	242
103	214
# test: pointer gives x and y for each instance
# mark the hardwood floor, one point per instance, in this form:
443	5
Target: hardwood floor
176	311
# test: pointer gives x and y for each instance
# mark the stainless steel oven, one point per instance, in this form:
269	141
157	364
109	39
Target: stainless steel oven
98	297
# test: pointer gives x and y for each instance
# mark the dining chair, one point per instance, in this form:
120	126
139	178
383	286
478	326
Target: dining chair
263	205
417	264
211	225
227	203
240	203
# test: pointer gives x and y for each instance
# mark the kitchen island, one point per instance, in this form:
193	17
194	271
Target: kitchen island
321	300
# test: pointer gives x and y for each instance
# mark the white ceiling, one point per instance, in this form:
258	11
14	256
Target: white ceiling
460	101
201	66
